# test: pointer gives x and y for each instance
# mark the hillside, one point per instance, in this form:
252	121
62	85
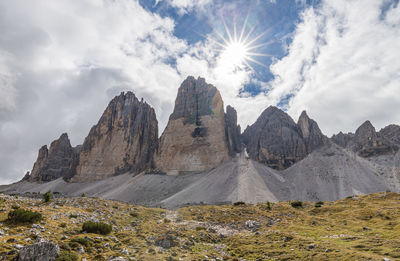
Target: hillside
355	228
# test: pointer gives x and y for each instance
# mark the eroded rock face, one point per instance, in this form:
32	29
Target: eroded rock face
58	161
277	141
232	131
366	142
391	133
194	139
312	135
124	139
342	139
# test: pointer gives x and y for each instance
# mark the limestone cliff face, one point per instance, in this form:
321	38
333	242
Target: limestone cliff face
58	161
232	131
195	136
277	141
312	135
124	139
391	133
366	142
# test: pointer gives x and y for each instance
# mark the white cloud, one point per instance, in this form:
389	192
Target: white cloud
343	65
61	62
185	6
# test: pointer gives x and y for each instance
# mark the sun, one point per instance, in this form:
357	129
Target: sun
239	49
235	53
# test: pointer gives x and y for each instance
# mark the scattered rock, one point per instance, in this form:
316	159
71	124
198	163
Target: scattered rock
44	251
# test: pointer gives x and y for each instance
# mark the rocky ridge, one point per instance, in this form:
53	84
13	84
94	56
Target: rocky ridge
124	139
277	141
367	142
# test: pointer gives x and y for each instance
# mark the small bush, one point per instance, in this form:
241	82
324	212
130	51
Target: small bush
134	214
82	241
67	256
239	203
83	195
15	207
319	204
268	205
73	216
296	204
47	196
63	225
20	215
96	227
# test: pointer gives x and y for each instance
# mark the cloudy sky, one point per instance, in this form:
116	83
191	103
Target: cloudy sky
62	61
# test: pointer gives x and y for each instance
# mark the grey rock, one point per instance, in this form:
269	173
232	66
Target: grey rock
58	161
118	258
275	139
232	131
311	133
44	251
194	100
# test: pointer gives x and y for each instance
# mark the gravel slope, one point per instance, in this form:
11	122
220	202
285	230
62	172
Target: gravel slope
327	174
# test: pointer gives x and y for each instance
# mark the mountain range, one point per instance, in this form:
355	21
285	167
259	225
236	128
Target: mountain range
203	156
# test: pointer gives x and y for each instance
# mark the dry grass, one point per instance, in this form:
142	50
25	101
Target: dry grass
359	228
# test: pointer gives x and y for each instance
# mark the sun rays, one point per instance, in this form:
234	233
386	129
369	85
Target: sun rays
239	49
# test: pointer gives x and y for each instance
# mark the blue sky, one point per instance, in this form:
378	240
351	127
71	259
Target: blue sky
275	20
62	61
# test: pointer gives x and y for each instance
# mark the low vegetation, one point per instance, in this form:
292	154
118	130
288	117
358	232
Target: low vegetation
96	227
22	216
47	196
361	228
296	204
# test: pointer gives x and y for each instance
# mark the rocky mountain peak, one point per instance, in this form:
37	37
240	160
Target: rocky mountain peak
124	139
196	98
275	139
391	133
311	132
58	161
304	123
195	136
365	133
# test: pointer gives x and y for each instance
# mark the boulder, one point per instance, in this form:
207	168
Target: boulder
43	251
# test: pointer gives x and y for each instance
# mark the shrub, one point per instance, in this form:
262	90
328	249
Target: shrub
319	204
296	204
20	215
83	195
239	203
67	256
96	227
268	205
82	241
134	214
63	225
15	207
47	196
73	216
